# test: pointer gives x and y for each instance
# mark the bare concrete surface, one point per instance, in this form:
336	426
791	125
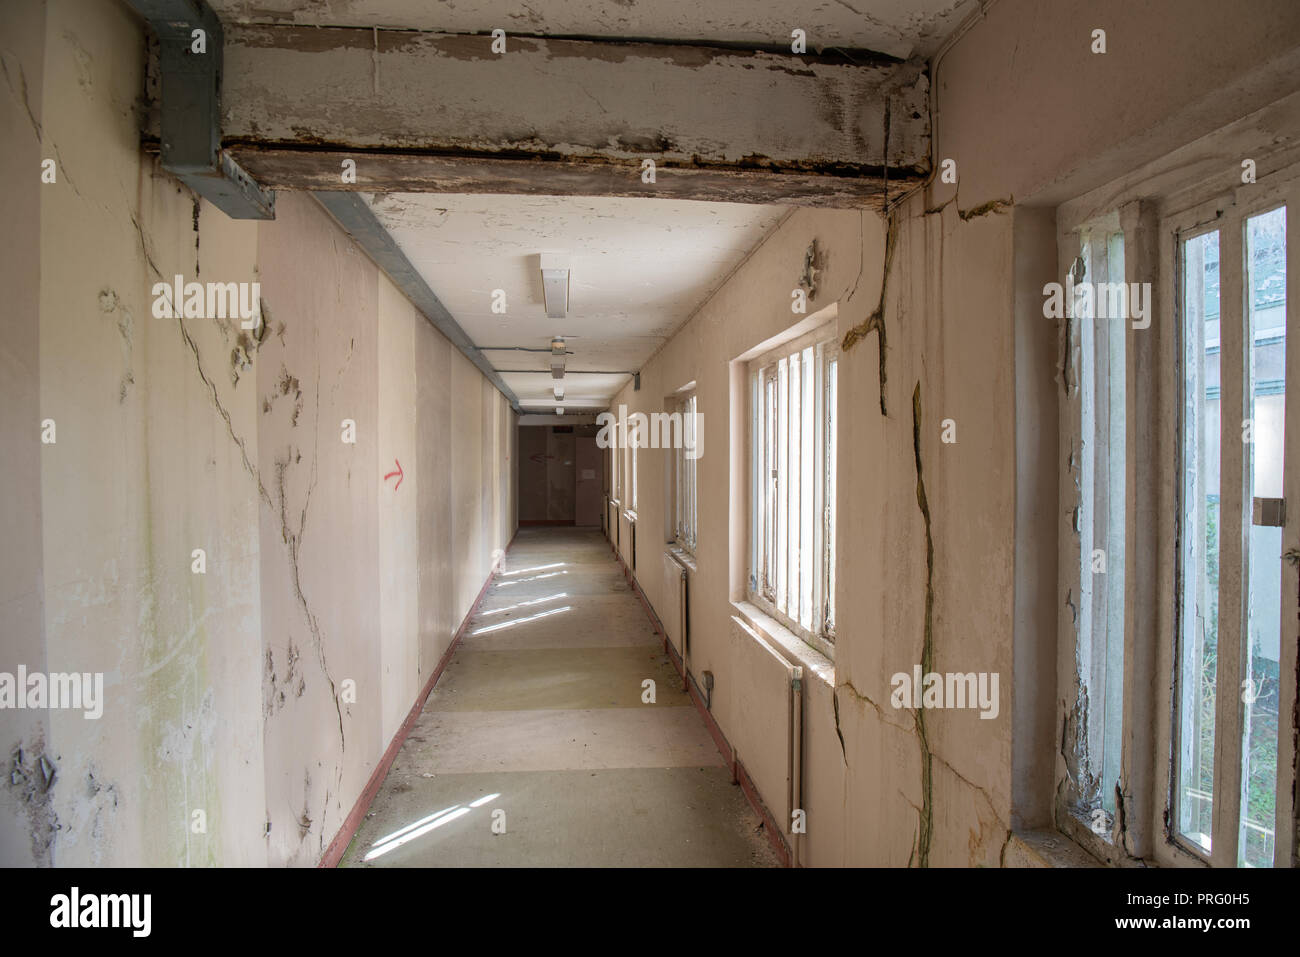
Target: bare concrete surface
537	749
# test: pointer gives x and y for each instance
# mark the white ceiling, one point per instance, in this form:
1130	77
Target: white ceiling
896	27
639	268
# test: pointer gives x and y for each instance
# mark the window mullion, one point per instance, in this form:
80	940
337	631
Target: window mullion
1233	555
1287	814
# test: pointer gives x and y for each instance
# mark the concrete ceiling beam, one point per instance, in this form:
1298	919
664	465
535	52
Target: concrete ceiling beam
424	112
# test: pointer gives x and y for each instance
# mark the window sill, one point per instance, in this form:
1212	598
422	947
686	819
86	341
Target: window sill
682	555
792	647
1044	847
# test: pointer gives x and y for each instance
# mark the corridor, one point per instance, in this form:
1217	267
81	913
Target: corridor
947	433
538	724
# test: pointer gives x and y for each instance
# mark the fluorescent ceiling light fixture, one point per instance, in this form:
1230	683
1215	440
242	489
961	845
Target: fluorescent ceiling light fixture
557	358
559	392
555	284
559	410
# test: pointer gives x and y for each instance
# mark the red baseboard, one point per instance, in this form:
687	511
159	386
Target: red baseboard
334	853
738	773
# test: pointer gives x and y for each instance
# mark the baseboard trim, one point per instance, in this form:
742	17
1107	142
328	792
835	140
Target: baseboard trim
739	775
334	853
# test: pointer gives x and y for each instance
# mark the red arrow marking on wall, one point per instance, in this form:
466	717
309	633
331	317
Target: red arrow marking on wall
398	473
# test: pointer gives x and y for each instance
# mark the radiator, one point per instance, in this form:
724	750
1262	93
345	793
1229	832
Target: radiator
676	620
767	724
611	527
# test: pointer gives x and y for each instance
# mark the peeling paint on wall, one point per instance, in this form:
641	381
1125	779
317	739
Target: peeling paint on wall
27	784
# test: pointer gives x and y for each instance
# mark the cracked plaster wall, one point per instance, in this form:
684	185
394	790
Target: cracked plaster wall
26	821
222	689
143	471
950	315
866	791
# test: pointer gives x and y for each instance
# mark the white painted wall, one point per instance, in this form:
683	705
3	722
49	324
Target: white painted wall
399	515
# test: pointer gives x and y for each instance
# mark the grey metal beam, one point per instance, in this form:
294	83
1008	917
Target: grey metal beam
359	222
190	108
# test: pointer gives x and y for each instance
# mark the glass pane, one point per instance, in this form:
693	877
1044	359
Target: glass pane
770	480
807	491
792	489
831	392
756	485
690	473
1199	601
1102	478
783	477
1266	286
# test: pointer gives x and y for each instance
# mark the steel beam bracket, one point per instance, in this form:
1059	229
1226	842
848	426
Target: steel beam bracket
190	42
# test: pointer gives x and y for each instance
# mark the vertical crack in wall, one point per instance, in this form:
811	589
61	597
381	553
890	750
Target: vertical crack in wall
20	90
876	321
921	852
835	705
291	539
225	415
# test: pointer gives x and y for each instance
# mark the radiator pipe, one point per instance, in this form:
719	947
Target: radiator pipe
796	762
686	636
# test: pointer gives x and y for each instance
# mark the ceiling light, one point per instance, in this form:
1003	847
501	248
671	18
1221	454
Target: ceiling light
559	392
557	357
559	410
555	284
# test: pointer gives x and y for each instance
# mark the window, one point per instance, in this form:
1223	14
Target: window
1266	288
615	460
1199	593
1101	310
685	456
632	479
792	495
1233	323
1183	404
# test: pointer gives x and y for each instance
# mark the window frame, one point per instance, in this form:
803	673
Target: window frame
764	522
1154	228
615	455
1087	801
684	483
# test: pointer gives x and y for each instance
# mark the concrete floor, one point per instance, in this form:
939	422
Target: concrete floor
538	724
